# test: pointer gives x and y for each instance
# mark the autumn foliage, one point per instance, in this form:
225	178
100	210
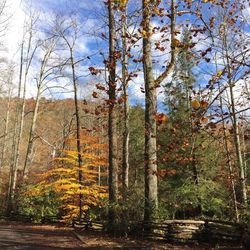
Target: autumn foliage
62	177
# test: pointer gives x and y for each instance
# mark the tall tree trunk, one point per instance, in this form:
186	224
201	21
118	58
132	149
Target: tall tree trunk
229	163
151	183
31	133
236	134
150	157
237	144
125	152
228	154
41	78
112	127
78	133
6	130
10	194
28	61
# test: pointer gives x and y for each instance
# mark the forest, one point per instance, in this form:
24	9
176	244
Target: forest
125	111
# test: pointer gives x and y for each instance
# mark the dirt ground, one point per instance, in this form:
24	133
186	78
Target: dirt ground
42	237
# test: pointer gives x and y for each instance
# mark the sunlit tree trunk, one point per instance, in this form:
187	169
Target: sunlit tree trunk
78	132
151	185
112	127
150	157
125	152
28	60
236	134
42	76
228	154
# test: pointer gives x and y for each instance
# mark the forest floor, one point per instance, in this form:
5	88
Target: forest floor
15	235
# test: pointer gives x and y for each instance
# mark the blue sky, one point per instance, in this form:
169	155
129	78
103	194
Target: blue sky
91	19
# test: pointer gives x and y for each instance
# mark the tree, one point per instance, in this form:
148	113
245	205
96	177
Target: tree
26	58
112	127
151	186
125	153
44	77
61	182
72	28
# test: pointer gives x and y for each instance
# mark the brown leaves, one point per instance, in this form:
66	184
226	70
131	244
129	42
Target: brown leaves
95	95
100	87
204	104
94	71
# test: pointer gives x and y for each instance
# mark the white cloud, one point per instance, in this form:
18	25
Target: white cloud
14	32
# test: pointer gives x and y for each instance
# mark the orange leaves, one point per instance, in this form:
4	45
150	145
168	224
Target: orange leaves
161	118
198	113
165	172
195	104
204	104
176	43
199	104
204	120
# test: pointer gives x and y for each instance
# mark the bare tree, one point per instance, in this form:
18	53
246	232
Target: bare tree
45	76
25	63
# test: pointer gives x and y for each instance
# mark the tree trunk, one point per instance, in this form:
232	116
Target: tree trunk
125	152
228	155
6	130
151	183
16	120
229	163
28	60
112	128
78	133
35	112
236	134
31	133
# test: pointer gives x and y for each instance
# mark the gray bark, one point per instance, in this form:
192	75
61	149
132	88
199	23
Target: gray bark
150	157
41	78
151	183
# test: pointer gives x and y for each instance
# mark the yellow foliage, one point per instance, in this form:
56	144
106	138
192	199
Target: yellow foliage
63	178
121	3
219	72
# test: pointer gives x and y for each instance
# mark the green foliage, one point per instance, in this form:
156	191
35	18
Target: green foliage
136	144
199	187
36	203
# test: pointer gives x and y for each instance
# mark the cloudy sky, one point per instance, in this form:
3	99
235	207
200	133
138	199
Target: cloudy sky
91	19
